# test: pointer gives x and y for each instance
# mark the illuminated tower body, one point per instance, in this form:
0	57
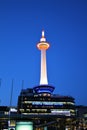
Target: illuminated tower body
43	46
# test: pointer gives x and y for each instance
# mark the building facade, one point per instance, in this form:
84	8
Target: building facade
32	102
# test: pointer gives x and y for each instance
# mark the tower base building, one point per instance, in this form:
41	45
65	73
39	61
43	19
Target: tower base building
31	102
45	108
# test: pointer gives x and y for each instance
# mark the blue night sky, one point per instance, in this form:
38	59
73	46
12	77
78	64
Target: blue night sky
65	25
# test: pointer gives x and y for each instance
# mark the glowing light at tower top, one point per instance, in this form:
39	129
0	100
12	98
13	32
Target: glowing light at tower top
43	45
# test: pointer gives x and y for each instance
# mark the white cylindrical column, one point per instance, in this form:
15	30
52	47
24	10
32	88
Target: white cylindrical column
43	76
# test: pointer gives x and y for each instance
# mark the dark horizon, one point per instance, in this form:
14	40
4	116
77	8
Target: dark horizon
65	25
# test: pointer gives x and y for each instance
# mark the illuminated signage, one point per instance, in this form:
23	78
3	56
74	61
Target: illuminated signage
24	126
61	112
46	103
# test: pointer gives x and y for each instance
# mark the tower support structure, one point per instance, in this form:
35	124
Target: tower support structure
43	45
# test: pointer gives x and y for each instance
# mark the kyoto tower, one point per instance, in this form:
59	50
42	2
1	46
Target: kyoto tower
43	46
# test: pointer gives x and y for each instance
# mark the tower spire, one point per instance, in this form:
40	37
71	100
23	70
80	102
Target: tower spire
43	33
43	39
43	45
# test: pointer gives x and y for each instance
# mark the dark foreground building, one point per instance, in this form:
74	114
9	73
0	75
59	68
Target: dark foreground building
32	101
46	107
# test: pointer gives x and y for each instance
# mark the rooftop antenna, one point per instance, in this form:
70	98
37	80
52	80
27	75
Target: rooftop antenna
22	94
11	93
0	82
22	84
9	122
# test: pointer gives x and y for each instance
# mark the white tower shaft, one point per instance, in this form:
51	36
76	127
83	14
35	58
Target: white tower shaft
43	76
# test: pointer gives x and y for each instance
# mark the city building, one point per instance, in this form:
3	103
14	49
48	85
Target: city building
81	120
32	102
4	111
